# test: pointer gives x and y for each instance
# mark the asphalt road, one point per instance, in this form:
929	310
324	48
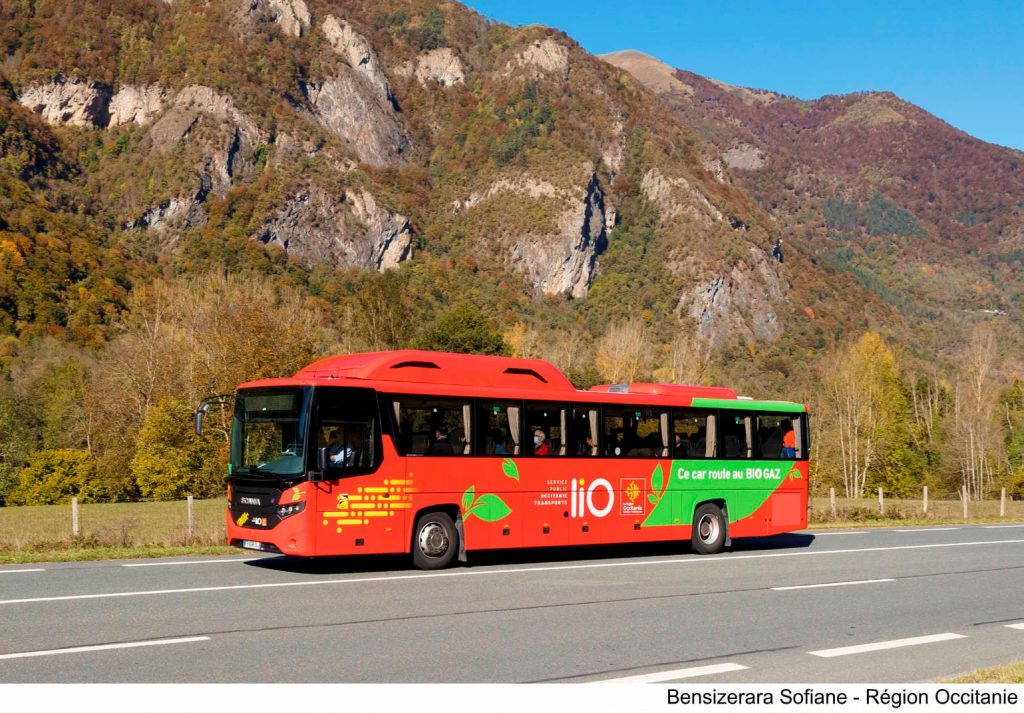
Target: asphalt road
889	605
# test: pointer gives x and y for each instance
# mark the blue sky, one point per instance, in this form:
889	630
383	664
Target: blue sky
962	61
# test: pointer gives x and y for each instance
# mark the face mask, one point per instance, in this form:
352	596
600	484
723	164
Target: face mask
536	440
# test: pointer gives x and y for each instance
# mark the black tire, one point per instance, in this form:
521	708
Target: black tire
435	542
709	529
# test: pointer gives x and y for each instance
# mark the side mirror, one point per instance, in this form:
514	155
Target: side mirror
200	415
316	476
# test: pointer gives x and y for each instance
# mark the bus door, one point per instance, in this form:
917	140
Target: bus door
359	508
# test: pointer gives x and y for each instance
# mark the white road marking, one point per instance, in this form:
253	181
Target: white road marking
881	645
19	571
831	584
170	564
1015	626
826	534
104	647
678	673
998	527
928	529
695	561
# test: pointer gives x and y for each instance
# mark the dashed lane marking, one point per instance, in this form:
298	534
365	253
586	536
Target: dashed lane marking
831	584
882	645
660	676
104	647
170	564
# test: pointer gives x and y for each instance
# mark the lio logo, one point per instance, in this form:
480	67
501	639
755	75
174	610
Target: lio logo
581	498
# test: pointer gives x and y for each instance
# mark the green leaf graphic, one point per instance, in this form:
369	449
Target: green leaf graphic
510	469
489	508
467	499
795	474
657	479
652	498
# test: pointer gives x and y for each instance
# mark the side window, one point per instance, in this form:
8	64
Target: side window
433	426
776	437
737	434
586	430
690	434
500	425
636	431
348	427
546	429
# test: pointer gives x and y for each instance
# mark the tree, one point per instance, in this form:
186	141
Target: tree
688	360
624	353
862	408
185	340
464	329
975	427
171	461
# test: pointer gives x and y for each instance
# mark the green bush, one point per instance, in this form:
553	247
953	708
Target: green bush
55	476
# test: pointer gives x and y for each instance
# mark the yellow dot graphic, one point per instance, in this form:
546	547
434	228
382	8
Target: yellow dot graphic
339	530
582	481
325	522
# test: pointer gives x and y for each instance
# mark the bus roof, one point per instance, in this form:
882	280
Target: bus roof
409	370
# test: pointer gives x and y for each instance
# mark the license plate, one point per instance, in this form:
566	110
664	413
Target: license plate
252	545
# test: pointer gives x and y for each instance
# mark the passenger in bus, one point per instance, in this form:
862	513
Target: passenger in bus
681	447
788	439
441	445
540	443
497	442
339	453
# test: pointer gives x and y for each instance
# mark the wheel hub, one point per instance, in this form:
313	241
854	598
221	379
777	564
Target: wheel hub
433	540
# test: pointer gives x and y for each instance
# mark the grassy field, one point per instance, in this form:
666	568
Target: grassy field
110	530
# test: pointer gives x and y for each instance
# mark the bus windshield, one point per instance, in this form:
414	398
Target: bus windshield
268	437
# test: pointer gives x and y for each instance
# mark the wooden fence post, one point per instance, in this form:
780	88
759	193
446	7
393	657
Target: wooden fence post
881	503
74	517
191	518
926	500
963	496
1002	502
832	501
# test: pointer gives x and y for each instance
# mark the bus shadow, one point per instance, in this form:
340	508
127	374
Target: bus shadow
369	564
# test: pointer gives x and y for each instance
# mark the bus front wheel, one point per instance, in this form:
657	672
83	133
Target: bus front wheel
708	529
435	541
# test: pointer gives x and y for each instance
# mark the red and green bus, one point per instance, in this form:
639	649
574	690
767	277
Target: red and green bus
438	454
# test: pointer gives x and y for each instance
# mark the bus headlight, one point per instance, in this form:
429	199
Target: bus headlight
286	511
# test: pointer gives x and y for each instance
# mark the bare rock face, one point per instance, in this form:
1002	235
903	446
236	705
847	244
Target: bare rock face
348	231
349	108
675	197
292	15
69	101
229	139
564	261
357	51
136	105
738	306
439	66
540	57
179	212
744	157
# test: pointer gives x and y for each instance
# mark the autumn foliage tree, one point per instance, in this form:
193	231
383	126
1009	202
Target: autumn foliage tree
188	339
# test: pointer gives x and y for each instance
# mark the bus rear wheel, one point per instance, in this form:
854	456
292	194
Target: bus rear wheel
709	525
435	541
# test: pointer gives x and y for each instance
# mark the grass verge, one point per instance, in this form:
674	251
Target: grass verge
1011	673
